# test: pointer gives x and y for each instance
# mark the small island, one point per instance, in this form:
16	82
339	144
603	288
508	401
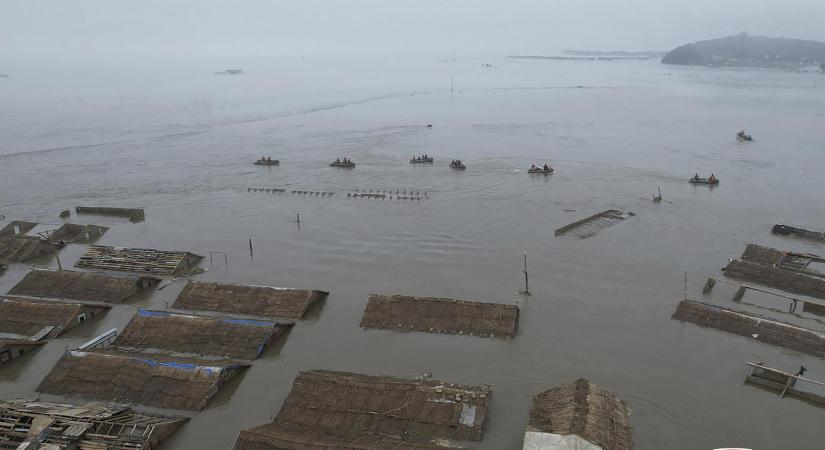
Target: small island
743	50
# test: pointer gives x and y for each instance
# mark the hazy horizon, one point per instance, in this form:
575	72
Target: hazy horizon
97	29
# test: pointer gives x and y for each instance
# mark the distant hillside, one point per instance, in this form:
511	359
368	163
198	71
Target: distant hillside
749	51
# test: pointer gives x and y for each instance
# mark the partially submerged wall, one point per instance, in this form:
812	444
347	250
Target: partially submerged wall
14	348
134	214
261	301
231	338
754	327
440	315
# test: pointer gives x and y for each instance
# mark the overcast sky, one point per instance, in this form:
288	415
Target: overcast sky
48	29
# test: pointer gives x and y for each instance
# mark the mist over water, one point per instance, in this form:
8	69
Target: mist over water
180	141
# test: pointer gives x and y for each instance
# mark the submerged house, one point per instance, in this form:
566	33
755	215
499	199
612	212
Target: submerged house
788	271
134	214
139	260
440	315
32	425
150	379
68	285
342	410
261	301
211	336
36	320
755	327
23	248
578	416
26	325
69	232
15	348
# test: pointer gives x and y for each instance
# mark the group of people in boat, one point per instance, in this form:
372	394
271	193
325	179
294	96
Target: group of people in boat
546	168
343	161
456	162
743	136
711	179
265	159
422	158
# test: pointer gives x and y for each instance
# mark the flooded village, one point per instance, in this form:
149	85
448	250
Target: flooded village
254	244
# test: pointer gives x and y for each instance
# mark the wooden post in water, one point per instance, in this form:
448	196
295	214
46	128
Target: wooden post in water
250	248
56	256
526	279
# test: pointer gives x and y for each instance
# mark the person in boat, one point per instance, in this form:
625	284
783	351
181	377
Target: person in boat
546	168
696	177
268	159
712	178
533	168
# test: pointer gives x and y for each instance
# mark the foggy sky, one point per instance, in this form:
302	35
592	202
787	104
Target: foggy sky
66	29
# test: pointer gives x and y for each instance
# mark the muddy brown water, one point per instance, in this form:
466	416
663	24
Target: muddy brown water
600	307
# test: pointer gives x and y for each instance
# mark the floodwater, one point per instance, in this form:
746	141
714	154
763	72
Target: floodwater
180	142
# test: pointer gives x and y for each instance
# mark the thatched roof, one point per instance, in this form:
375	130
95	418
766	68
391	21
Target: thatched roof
82	286
23	248
326	408
86	426
232	338
17	227
280	435
761	255
777	278
440	315
146	378
25	318
139	260
262	301
70	232
754	327
584	409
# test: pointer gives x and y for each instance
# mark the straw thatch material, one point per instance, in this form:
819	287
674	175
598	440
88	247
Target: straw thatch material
584	409
775	277
231	338
279	435
17	227
86	426
82	286
759	328
761	255
325	408
440	315
26	318
262	301
70	232
23	248
147	378
139	260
